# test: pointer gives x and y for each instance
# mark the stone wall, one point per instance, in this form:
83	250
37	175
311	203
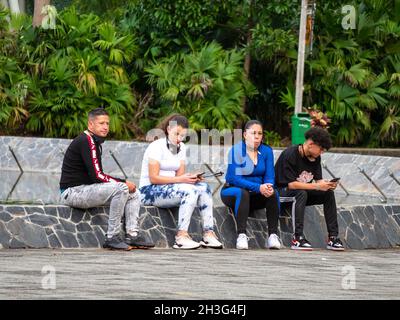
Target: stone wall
43	157
364	221
361	227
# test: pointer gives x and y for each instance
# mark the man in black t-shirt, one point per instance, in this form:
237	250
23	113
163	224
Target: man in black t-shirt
298	173
83	184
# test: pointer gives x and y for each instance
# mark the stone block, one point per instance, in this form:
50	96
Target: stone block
347	217
100	234
87	240
49	231
15	211
357	230
352	241
5	236
16	244
42	219
396	217
51	210
67	239
369	213
64	212
396	209
34	210
98	210
77	215
33	236
83	227
99	220
54	242
167	218
147	221
160	237
68	226
5	216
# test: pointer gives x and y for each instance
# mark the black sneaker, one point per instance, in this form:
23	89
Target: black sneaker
335	244
138	242
301	243
115	243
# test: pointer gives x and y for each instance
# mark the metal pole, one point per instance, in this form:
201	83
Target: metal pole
384	200
300	57
119	166
333	176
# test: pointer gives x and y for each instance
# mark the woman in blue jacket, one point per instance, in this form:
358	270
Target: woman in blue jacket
250	182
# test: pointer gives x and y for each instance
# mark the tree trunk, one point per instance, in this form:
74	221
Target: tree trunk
247	59
37	13
22	6
246	68
14	6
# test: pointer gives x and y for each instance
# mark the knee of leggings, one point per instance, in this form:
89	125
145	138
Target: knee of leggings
244	195
190	196
203	187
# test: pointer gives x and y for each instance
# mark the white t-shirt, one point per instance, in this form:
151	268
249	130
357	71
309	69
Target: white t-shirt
169	162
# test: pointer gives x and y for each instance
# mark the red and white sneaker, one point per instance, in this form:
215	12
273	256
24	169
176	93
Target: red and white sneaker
335	244
301	243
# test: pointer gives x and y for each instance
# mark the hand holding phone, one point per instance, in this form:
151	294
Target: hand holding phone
200	175
334	180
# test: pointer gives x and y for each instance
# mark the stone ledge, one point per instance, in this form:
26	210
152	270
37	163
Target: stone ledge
23	226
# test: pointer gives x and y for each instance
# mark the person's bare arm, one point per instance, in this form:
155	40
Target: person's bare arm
320	185
181	177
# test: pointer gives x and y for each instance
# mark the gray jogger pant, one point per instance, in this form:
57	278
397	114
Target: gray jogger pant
114	194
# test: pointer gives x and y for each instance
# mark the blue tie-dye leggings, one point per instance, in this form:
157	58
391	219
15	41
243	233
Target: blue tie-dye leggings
186	196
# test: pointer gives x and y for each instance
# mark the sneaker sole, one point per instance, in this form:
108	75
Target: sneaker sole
334	249
183	248
301	249
203	244
142	247
117	249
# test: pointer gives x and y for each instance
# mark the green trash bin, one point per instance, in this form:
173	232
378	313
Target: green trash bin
301	122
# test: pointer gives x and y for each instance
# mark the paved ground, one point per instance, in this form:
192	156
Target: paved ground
200	274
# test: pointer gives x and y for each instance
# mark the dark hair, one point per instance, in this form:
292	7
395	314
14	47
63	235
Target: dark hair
320	137
251	123
179	119
97	112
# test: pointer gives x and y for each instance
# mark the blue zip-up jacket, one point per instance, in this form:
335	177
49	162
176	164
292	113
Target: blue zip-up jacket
244	174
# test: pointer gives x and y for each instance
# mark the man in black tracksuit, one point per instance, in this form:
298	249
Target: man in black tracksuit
83	184
298	173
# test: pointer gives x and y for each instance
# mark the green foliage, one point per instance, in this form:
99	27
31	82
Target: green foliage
61	74
145	59
272	139
207	85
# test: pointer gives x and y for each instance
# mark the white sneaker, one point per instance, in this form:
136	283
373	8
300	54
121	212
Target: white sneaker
185	242
211	241
242	242
273	242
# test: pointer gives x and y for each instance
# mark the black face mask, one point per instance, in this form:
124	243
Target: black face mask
97	138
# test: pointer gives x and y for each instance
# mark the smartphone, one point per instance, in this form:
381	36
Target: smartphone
216	174
203	175
200	175
335	180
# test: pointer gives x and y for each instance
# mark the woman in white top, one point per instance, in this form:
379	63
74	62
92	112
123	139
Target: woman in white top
164	183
